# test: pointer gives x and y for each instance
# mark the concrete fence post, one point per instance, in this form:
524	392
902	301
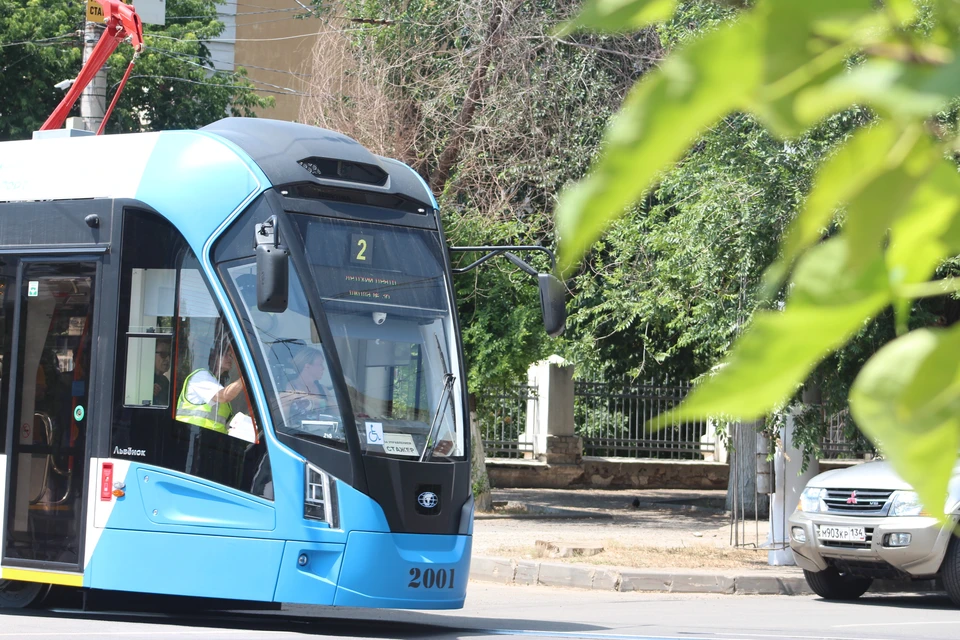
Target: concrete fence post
550	428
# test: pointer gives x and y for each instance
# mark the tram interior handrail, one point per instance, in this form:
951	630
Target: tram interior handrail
50	464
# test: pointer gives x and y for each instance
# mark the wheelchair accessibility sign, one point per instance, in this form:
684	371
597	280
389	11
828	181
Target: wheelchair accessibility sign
375	433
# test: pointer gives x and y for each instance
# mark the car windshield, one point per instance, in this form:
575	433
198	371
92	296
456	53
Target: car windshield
384	292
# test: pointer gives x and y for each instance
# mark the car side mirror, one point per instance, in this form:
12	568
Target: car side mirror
273	270
552	304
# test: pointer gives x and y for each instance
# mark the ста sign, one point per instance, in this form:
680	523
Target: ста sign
150	11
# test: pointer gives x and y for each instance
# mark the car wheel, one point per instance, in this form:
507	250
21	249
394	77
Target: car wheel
950	571
830	584
15	594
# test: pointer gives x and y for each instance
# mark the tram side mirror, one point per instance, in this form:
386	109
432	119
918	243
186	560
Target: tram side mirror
552	304
273	271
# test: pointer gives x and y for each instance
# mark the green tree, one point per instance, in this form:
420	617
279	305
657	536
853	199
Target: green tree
880	220
497	114
672	283
172	86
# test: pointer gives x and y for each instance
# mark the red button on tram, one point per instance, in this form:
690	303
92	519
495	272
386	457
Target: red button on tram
106	482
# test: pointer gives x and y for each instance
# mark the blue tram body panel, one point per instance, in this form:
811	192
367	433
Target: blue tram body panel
174	533
197	180
403	571
221	566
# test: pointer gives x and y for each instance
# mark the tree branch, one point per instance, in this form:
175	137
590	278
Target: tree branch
499	22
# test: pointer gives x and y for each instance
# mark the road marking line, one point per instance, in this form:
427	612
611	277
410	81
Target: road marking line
579	636
781	636
890	624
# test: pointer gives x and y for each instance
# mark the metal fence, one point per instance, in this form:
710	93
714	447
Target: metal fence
502	415
836	444
620	419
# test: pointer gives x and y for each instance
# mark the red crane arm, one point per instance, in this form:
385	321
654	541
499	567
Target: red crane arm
122	22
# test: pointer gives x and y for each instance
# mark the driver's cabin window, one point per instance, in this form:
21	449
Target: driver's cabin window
183	398
150	337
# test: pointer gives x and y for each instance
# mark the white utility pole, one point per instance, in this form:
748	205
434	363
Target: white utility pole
93	100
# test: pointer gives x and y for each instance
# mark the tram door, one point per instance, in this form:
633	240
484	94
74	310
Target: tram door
47	424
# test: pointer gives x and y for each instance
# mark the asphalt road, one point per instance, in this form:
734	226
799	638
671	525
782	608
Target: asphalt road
534	612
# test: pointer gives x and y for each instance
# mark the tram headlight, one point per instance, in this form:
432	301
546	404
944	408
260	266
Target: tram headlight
320	497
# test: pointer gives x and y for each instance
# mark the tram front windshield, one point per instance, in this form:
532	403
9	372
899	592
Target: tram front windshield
385	297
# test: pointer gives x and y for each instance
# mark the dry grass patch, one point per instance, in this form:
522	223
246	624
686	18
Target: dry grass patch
642	557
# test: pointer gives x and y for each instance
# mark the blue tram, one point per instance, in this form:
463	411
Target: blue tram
230	367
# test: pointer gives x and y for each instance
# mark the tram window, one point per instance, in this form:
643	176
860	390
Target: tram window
148	371
184	400
305	403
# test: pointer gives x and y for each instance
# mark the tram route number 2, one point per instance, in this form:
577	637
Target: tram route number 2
362	248
431	578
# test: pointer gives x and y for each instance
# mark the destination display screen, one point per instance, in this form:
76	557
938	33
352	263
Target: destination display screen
376	264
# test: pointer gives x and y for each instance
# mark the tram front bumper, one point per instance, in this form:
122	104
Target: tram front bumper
404	571
378	570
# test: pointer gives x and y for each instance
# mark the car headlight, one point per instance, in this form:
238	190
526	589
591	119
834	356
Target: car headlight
906	503
811	500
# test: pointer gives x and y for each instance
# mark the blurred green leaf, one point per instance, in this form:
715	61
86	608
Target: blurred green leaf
901	90
903	11
792	65
657	123
870	214
948	11
829	303
757	64
795	54
907	398
925	235
840	178
619	15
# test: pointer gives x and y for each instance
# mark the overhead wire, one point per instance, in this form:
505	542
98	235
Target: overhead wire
240	23
212	84
72	34
304	35
284	90
257	6
180	54
364	22
227	15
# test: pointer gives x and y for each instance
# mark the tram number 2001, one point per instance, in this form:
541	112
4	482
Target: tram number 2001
431	579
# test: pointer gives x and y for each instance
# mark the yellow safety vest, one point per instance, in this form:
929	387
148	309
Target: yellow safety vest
207	416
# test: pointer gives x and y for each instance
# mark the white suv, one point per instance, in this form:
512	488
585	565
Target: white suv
864	522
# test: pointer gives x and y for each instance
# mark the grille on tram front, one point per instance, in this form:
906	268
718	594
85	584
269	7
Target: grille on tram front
857	501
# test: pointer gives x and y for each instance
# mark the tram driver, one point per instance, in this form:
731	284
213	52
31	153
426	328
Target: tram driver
308	393
206	398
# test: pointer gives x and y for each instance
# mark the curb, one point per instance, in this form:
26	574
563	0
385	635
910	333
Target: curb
579	576
548	513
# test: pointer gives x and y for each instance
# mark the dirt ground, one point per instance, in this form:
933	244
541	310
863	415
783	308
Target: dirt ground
651	529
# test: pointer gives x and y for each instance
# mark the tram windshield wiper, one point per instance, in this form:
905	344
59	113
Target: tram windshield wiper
448	379
431	444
